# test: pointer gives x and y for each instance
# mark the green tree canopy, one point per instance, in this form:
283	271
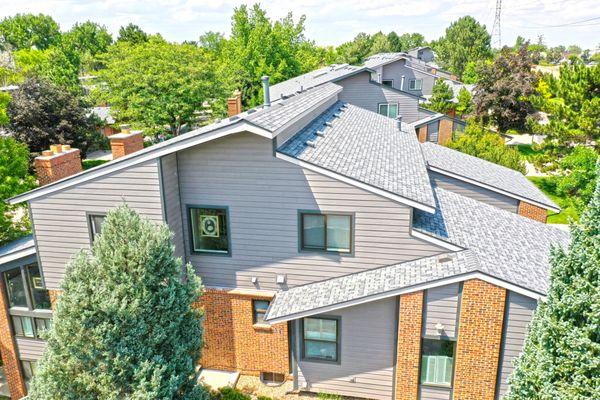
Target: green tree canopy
4	100
572	103
42	114
504	88
480	142
577	175
125	326
465	102
355	51
441	97
132	34
14	180
88	38
560	359
24	31
380	44
465	40
157	85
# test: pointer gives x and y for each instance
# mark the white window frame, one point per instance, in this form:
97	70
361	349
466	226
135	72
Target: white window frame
388	80
388	109
412	84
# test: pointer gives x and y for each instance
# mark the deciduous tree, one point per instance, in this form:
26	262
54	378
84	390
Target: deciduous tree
132	34
125	326
24	31
441	97
560	357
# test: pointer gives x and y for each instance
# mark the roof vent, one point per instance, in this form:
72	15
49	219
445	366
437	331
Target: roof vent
399	122
311	143
337	115
445	259
251	111
328	123
266	91
320	133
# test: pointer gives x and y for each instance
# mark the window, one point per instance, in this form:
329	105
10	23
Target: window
28	368
328	232
437	361
209	230
272	378
259	308
415	84
15	287
389	109
95	225
39	294
320	337
388	82
30	327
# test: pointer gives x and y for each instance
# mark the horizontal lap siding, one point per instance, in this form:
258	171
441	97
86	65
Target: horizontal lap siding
397	69
441	306
366	356
170	184
475	192
434	393
30	349
264	195
359	92
61	225
518	315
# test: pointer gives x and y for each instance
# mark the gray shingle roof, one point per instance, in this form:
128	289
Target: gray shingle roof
379	59
366	147
104	114
312	79
282	112
369	284
484	172
508	246
9	250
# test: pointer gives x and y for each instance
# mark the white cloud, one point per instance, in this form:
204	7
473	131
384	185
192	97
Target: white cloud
330	21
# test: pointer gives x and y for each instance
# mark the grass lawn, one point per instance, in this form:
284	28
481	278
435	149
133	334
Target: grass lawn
528	152
547	185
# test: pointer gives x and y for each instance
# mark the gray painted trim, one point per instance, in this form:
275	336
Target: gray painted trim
293	354
30	259
37	251
393	89
161	189
458	305
188	207
396	322
502	345
352	216
181	211
88	221
338	328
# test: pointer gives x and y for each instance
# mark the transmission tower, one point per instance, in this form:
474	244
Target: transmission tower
496	32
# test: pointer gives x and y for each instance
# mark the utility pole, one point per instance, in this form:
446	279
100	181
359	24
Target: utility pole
496	32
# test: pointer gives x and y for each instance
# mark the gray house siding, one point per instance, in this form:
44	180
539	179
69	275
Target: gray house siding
441	306
30	349
264	195
475	192
398	69
434	393
61	225
366	368
359	91
518	315
170	185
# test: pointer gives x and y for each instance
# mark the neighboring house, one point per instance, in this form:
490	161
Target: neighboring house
344	262
107	121
437	127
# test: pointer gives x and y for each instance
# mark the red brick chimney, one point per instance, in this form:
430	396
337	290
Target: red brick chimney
234	104
126	142
57	163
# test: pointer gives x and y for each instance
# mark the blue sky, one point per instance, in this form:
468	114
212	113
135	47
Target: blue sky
332	22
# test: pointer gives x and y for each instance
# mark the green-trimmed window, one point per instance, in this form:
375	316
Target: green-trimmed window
389	109
209	230
415	84
327	232
437	362
320	339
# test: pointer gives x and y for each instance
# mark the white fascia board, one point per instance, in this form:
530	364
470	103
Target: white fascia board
18	255
353	182
436	241
410	289
135	159
492	188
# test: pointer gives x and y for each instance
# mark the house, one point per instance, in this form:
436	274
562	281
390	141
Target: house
106	119
349	258
437	127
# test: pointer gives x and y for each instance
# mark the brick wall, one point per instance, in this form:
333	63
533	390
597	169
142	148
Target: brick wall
8	349
234	104
445	132
52	166
232	342
534	212
409	346
479	340
422	133
124	143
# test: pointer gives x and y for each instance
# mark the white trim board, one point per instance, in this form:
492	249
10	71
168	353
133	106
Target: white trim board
353	182
17	255
492	188
436	241
410	289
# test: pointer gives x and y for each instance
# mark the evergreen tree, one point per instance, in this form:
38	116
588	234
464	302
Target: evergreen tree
441	97
132	34
561	356
465	102
124	326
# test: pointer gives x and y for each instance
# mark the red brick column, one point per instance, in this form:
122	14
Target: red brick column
125	143
422	133
445	132
12	367
534	212
479	339
232	342
58	163
409	346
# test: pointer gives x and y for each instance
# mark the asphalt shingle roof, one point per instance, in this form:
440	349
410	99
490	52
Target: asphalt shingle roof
282	112
362	285
508	246
485	172
367	147
312	79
